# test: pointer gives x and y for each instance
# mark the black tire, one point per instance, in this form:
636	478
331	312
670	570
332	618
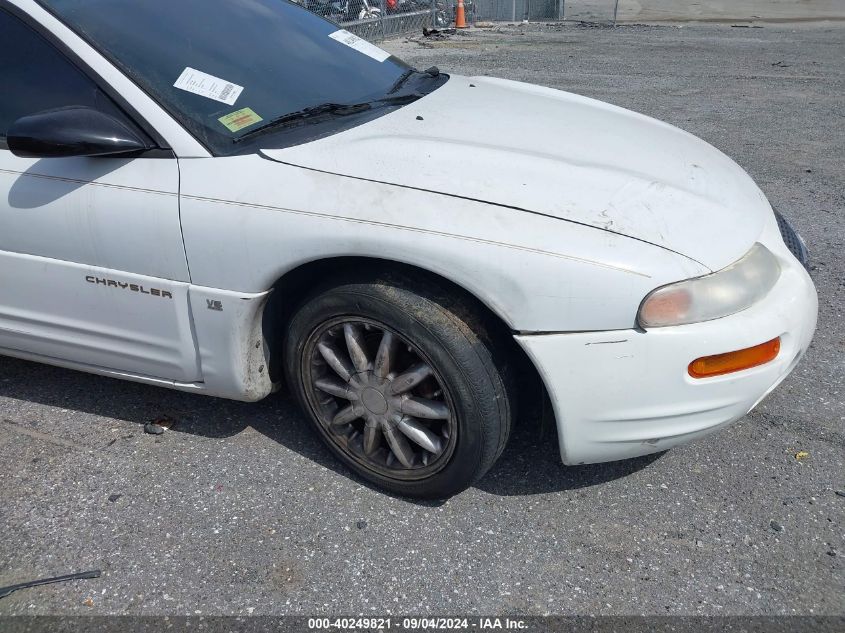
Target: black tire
444	331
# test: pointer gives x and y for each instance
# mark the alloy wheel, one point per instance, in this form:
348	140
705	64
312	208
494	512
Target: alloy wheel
378	398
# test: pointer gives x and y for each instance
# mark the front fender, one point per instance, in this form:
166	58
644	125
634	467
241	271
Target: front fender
248	220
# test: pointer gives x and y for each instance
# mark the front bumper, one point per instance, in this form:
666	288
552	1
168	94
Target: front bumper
626	393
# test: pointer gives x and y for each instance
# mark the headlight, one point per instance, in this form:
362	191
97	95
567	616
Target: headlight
726	292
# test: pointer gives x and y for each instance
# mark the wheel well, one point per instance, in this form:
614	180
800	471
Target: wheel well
294	286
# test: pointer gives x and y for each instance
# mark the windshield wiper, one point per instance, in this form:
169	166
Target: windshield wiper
339	109
325	109
405	76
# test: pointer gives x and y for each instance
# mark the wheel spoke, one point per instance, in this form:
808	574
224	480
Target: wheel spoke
419	434
346	415
336	361
425	408
357	347
410	379
384	356
334	387
383	404
399	445
372	435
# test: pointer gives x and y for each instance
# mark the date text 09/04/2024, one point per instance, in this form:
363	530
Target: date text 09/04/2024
416	623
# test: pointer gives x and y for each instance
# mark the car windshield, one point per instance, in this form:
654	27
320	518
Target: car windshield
241	74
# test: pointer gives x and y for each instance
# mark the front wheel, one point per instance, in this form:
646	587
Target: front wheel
405	387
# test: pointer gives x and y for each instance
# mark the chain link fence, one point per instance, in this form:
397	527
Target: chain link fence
379	19
593	11
513	10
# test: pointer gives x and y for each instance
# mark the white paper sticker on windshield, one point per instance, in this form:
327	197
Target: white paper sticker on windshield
208	86
362	46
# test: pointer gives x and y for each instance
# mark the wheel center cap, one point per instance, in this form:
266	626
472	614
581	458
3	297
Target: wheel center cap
374	401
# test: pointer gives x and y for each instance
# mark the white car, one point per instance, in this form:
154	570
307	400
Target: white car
220	196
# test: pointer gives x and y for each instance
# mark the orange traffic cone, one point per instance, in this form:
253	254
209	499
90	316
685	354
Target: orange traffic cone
460	16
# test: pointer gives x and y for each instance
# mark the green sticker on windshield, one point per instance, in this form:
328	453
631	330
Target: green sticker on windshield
239	119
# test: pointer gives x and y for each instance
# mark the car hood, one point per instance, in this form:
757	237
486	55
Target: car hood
544	151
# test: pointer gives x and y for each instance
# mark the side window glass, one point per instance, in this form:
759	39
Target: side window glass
37	77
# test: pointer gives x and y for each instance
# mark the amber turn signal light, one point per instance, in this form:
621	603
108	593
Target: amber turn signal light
719	364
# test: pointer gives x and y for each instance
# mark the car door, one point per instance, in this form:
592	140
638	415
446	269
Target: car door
92	264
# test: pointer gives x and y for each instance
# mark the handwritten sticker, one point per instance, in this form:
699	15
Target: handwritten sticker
239	119
208	86
362	46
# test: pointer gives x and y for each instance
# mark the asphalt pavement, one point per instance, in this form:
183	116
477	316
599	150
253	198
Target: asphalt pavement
238	508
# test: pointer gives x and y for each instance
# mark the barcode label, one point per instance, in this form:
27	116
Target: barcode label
224	94
208	86
362	46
